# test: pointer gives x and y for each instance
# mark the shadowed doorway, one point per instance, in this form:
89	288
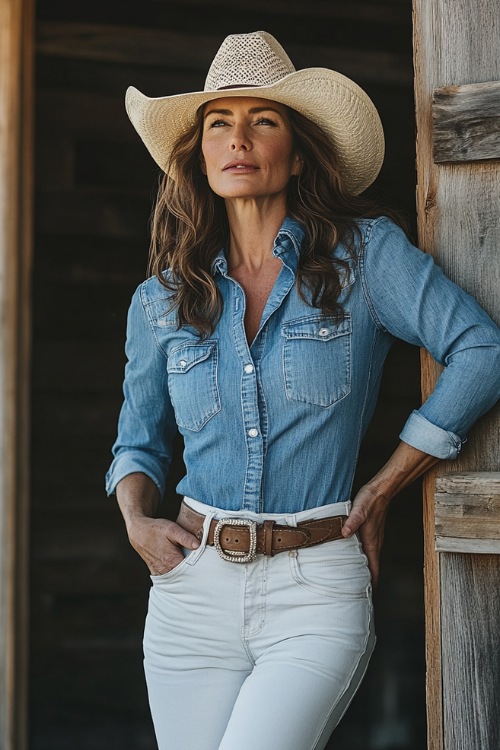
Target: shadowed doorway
94	188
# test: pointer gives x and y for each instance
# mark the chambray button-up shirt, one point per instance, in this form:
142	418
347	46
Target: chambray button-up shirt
275	426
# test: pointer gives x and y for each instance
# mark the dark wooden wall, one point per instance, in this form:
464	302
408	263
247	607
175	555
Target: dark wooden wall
94	187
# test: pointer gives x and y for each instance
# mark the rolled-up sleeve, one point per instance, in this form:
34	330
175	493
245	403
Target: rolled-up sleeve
428	437
410	297
146	425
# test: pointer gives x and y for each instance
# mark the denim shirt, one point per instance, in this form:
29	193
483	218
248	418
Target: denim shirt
276	427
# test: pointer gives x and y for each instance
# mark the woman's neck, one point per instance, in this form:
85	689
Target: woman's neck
253	228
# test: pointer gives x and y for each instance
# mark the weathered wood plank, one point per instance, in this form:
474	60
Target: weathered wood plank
468	546
177	50
426	211
468	507
466	122
16	189
471	651
480	483
468	513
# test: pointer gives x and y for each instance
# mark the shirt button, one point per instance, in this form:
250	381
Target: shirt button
248	368
324	331
183	363
253	432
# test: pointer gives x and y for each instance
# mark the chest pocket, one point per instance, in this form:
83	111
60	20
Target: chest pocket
192	383
317	359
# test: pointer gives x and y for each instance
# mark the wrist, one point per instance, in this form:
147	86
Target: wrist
135	517
137	498
385	484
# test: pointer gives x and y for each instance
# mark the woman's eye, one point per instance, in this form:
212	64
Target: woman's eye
217	124
266	121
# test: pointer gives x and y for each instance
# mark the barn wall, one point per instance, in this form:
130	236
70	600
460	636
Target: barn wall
95	183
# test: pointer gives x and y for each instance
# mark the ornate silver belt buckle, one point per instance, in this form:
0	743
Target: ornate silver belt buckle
236	555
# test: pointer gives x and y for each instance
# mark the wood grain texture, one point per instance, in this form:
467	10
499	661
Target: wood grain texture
468	512
466	122
459	223
16	163
471	651
468	546
423	32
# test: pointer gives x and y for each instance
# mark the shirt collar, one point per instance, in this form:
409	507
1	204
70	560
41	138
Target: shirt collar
286	247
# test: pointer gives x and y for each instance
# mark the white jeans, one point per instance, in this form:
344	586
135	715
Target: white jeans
264	655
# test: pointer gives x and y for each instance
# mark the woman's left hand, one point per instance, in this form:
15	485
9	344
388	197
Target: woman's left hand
367	517
370	506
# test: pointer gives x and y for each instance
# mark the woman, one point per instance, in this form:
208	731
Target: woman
261	337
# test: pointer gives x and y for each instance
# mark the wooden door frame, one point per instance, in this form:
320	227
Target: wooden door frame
16	221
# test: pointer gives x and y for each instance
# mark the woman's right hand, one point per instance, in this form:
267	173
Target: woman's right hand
159	541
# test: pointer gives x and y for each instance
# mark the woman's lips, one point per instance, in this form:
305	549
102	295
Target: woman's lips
241	167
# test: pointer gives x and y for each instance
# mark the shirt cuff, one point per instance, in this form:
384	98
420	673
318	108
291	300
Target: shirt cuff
428	438
132	462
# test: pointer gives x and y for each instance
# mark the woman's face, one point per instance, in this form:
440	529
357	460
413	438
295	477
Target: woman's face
247	148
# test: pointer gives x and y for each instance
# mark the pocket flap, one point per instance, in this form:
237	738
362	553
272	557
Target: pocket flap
317	327
187	356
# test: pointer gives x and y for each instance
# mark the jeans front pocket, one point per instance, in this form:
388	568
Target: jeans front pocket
191	557
193	383
336	569
317	359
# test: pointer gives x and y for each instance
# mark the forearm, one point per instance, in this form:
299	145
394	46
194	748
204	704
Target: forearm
137	497
404	466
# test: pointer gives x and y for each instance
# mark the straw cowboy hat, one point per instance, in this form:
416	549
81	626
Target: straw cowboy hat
258	62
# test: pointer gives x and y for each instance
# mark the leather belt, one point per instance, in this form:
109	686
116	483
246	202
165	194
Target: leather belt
240	540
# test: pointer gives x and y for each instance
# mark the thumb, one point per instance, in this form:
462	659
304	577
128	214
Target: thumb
181	537
354	520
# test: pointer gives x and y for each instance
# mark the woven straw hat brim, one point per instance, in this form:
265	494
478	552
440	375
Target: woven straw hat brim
331	100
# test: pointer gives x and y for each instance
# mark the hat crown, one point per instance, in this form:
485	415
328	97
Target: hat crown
254	59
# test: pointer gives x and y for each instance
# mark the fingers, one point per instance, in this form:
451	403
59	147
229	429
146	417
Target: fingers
159	543
369	525
170	558
180	536
167	553
355	520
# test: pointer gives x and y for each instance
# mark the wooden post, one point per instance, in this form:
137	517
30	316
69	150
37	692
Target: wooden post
466	122
458	203
16	166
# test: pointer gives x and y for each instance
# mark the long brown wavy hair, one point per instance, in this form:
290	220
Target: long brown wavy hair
190	226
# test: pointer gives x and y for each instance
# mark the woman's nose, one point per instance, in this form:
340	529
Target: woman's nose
240	140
